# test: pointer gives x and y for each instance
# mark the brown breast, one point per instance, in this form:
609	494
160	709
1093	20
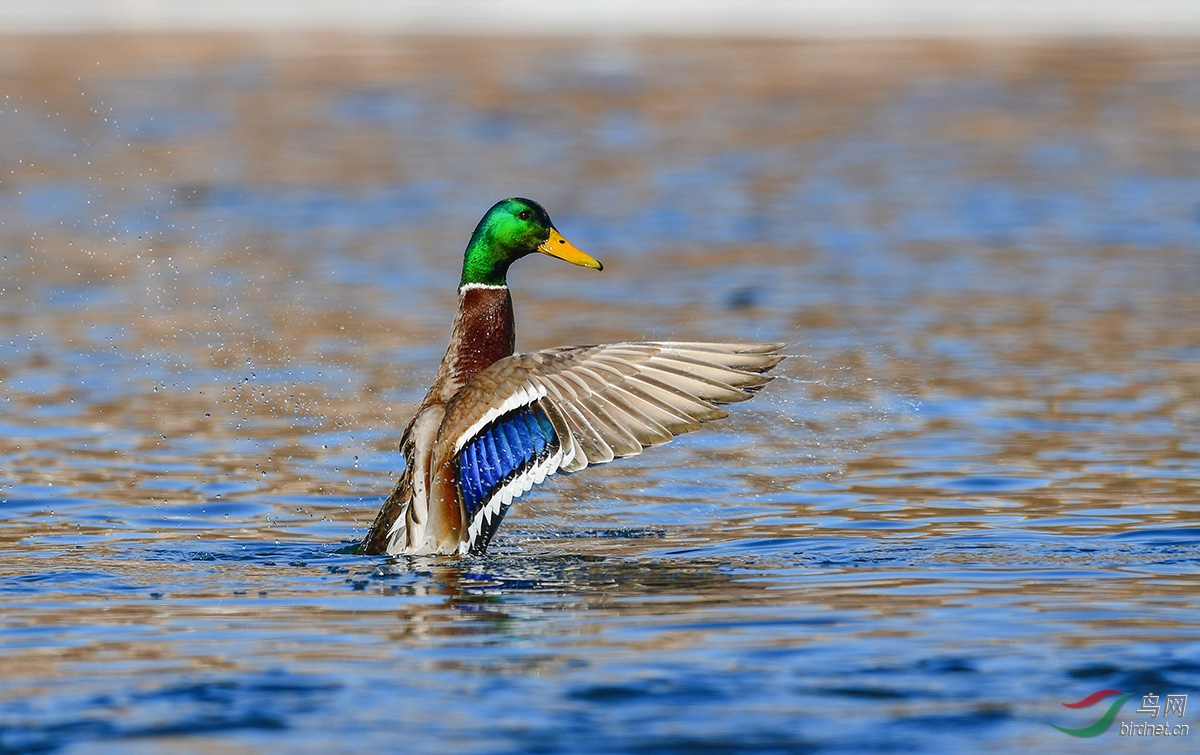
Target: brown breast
483	332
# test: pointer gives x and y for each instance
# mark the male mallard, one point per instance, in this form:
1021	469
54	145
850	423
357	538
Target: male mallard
495	423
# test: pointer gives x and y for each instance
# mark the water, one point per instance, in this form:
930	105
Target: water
227	274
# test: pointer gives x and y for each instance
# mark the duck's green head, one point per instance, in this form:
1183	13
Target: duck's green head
510	230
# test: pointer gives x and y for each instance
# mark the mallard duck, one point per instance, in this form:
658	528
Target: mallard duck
495	423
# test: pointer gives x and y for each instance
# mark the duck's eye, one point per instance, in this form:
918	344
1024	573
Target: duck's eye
524	214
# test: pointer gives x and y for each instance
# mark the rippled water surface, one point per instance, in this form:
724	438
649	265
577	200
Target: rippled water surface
227	275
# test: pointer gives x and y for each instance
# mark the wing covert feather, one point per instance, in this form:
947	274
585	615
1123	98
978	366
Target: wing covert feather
603	402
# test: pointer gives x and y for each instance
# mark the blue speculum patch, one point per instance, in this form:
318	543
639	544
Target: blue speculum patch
499	452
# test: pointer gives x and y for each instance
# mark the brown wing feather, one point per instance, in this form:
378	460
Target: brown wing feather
605	402
617	399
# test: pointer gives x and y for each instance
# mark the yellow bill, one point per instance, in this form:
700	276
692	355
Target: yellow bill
557	246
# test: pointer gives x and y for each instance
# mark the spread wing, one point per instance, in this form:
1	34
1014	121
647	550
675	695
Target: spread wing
531	415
